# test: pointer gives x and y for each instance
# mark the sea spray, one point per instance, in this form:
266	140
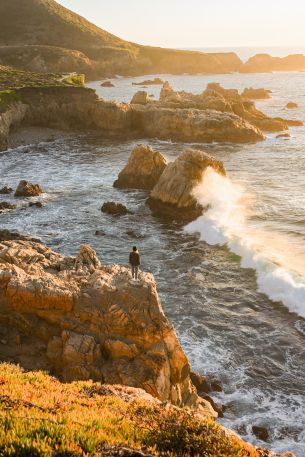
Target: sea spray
278	264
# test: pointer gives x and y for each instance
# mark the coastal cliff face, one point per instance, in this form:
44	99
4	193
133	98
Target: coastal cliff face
264	63
10	117
81	320
217	114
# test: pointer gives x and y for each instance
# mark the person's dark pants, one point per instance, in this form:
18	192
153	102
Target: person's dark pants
134	271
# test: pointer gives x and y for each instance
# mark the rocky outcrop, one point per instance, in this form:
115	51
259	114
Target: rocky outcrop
143	170
215	115
83	320
114	208
140	98
10	117
5	206
6	190
256	94
27	189
192	125
264	63
226	101
173	194
150	82
292	105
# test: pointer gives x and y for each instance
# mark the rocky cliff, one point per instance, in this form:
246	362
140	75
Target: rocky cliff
82	320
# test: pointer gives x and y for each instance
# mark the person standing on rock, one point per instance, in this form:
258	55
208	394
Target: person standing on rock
135	262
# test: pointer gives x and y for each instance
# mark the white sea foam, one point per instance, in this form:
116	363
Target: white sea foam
279	265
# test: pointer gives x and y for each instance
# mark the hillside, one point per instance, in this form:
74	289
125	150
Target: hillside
41	35
40	416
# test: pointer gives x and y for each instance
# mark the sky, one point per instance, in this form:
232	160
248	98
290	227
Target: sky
198	23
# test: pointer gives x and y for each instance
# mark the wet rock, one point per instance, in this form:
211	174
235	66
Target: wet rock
114	208
220	409
6	190
140	98
200	383
134	234
292	105
100	233
37	204
256	94
4	206
8	235
283	135
107	84
143	170
260	432
27	189
216	385
150	82
173	194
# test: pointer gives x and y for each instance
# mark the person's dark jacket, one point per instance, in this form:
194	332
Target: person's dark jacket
134	259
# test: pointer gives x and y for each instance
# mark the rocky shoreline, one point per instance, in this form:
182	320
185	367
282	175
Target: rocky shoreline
82	320
215	115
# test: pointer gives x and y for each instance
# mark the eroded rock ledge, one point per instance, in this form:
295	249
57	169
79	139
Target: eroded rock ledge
217	114
82	320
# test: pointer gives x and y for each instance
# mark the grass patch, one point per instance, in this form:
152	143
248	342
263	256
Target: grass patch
11	79
7	97
39	416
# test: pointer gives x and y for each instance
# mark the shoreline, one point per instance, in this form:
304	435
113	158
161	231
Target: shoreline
25	136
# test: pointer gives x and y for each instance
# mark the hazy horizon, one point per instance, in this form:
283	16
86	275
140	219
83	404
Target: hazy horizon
193	24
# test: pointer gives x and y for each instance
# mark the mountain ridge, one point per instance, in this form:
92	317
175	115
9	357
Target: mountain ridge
50	26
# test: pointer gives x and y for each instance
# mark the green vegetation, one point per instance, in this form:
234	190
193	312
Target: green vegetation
11	79
74	80
7	97
39	416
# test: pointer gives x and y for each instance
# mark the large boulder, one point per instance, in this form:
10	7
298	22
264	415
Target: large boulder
114	208
173	194
143	169
27	189
82	320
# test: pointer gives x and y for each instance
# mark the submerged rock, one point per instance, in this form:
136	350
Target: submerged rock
261	433
4	206
143	170
6	190
107	84
173	194
27	189
117	209
37	204
87	321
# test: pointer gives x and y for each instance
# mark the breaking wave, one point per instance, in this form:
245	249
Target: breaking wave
278	260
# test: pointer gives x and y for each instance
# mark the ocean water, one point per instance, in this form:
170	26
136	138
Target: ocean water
233	281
